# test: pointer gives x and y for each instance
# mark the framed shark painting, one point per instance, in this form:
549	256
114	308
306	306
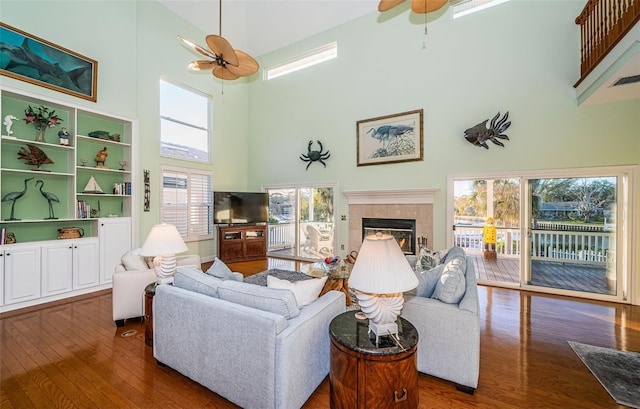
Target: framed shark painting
390	139
31	59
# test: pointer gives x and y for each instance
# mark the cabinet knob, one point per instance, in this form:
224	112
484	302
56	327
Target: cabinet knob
402	397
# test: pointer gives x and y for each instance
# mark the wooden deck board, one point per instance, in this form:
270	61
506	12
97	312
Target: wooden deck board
566	276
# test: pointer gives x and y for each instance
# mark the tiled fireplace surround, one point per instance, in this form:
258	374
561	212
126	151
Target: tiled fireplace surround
390	204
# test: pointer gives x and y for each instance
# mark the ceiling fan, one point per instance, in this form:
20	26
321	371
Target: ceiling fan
417	6
224	62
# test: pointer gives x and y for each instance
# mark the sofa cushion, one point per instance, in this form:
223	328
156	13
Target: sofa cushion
132	260
450	287
220	270
452	252
194	280
427	281
306	291
426	260
278	301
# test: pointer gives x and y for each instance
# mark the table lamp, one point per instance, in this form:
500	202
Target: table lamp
164	242
379	277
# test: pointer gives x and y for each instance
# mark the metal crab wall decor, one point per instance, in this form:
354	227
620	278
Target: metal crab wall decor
315	156
480	134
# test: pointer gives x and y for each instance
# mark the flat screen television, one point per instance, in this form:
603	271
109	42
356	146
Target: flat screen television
240	207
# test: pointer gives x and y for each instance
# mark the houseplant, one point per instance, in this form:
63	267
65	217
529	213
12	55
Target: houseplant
42	118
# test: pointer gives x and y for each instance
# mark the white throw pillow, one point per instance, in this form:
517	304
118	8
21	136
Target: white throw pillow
220	270
132	260
305	291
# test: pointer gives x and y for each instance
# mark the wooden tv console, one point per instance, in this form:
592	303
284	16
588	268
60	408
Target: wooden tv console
242	243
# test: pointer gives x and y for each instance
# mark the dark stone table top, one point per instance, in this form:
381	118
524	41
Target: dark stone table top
353	334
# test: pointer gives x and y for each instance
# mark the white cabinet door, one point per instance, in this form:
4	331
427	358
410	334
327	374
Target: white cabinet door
115	240
57	267
1	276
86	263
22	273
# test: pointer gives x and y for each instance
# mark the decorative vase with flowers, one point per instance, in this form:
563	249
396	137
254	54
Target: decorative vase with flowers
42	118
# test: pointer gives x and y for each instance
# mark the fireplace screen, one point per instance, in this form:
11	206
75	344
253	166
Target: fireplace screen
404	230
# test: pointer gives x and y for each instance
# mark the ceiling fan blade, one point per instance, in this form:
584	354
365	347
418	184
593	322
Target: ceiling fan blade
221	47
426	6
247	66
224	74
385	5
197	48
202	65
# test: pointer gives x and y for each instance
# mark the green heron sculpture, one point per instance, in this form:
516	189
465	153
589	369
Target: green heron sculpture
50	198
13	196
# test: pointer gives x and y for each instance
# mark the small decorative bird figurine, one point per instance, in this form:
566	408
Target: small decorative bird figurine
34	156
13	196
50	198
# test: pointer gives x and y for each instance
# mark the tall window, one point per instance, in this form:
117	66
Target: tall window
187	202
185	118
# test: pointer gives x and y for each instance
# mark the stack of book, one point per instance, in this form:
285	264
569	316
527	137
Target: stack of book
122	188
84	210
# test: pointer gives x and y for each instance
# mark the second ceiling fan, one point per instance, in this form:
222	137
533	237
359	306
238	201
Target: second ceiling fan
417	6
224	62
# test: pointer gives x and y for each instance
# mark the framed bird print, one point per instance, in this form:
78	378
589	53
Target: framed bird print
390	139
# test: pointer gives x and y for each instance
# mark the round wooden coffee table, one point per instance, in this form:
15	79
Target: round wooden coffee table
338	276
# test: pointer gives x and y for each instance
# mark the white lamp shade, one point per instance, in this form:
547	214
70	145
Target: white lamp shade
163	239
381	267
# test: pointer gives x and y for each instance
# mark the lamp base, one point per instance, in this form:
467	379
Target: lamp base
383	329
165	267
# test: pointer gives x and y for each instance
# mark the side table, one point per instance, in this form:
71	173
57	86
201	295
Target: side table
366	376
149	293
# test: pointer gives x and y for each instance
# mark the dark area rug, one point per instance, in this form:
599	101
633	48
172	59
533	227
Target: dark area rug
291	276
617	371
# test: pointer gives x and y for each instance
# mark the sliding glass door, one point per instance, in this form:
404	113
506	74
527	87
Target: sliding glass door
301	221
563	232
572	234
476	200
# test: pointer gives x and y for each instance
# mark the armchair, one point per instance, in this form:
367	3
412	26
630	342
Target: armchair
130	279
320	242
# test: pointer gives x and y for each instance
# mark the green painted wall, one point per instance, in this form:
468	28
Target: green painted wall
135	43
521	57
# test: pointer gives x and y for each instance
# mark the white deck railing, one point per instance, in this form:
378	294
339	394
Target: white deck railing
549	245
283	235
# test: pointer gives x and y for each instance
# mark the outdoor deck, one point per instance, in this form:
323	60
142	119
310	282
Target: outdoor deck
567	276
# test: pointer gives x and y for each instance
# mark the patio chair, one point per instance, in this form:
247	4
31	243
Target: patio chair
321	242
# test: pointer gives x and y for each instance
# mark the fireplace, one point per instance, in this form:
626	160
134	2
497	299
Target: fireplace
404	231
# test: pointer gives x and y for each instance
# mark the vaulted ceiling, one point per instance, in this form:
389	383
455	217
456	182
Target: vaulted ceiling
260	26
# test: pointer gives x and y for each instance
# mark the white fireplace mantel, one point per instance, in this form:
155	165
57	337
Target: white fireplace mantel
396	196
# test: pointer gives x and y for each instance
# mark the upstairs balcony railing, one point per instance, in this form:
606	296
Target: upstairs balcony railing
603	23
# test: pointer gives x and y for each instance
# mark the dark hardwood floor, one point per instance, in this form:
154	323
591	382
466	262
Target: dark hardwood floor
71	355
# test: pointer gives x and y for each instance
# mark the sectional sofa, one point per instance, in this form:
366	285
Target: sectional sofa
250	344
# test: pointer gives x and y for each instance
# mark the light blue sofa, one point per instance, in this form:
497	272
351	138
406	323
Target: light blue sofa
449	344
250	344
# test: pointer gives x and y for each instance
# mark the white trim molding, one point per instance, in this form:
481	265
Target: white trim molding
396	196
